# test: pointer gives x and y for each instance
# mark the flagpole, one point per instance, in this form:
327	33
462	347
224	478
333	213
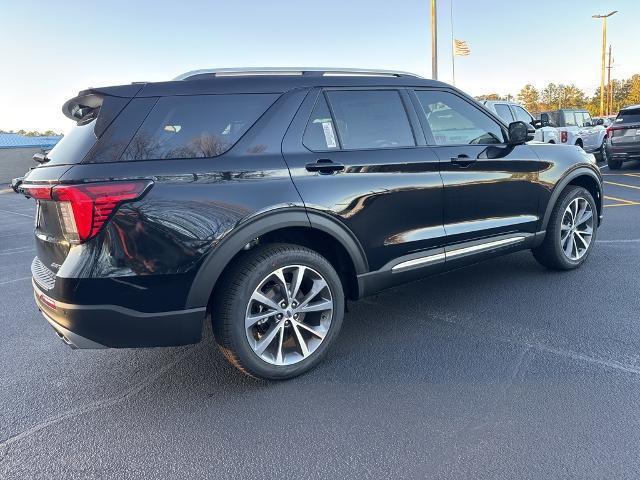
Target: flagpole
453	52
434	41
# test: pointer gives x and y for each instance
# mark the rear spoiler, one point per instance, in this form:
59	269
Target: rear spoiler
86	106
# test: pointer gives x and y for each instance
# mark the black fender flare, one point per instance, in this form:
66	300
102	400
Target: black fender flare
233	242
561	185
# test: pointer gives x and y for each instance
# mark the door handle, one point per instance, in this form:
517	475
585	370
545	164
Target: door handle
462	160
324	166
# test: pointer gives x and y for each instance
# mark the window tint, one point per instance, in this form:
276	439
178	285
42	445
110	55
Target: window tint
371	119
454	121
196	126
320	133
570	119
504	112
522	115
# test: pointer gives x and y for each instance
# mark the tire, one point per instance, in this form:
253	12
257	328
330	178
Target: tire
552	253
614	164
272	347
604	156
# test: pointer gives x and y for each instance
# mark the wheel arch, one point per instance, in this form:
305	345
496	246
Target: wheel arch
295	225
581	177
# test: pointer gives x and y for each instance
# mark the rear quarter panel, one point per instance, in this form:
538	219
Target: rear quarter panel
157	244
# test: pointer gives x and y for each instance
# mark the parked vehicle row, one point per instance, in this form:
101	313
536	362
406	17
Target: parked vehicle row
511	111
576	127
264	200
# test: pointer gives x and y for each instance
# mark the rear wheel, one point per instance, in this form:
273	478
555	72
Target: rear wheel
571	231
614	164
604	156
278	311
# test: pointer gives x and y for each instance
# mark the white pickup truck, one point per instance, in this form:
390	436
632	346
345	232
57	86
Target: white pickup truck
513	112
576	127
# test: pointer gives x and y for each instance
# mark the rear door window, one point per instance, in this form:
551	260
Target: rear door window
320	133
504	112
370	119
570	119
196	126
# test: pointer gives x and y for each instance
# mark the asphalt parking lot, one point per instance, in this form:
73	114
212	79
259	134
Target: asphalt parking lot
500	370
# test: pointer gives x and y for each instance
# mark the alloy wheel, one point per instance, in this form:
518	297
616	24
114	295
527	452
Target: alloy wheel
576	230
289	315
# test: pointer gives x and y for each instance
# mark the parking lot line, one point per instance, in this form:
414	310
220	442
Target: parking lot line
635	187
623	202
637	175
16	213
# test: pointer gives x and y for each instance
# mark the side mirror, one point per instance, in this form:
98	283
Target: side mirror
600	121
588	124
537	124
520	132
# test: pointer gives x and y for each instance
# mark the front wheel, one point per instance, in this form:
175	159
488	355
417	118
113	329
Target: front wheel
571	231
279	309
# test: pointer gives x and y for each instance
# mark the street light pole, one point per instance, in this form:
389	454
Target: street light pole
604	54
434	41
609	86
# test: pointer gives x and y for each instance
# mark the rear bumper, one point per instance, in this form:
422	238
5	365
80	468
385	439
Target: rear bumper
631	152
102	326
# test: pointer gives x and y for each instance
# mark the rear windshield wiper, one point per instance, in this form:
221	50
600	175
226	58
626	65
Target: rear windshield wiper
41	157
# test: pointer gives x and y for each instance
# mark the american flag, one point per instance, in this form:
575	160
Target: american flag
460	48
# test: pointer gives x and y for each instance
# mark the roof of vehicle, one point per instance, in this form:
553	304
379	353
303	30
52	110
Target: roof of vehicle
273	80
508	102
630	107
277	83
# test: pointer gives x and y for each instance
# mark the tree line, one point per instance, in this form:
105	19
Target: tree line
555	96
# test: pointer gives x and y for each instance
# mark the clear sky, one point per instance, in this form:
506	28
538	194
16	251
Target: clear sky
52	49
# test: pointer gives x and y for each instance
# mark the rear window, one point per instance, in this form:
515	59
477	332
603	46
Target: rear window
631	115
196	126
73	147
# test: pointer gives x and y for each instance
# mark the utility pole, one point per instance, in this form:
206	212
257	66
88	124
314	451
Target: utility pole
604	52
609	87
434	41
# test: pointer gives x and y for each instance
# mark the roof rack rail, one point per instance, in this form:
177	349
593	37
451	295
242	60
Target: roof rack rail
327	72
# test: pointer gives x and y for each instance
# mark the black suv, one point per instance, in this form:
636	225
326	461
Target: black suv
624	137
263	200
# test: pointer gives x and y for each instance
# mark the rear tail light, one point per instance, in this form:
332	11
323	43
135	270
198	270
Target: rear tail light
83	209
563	136
609	130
